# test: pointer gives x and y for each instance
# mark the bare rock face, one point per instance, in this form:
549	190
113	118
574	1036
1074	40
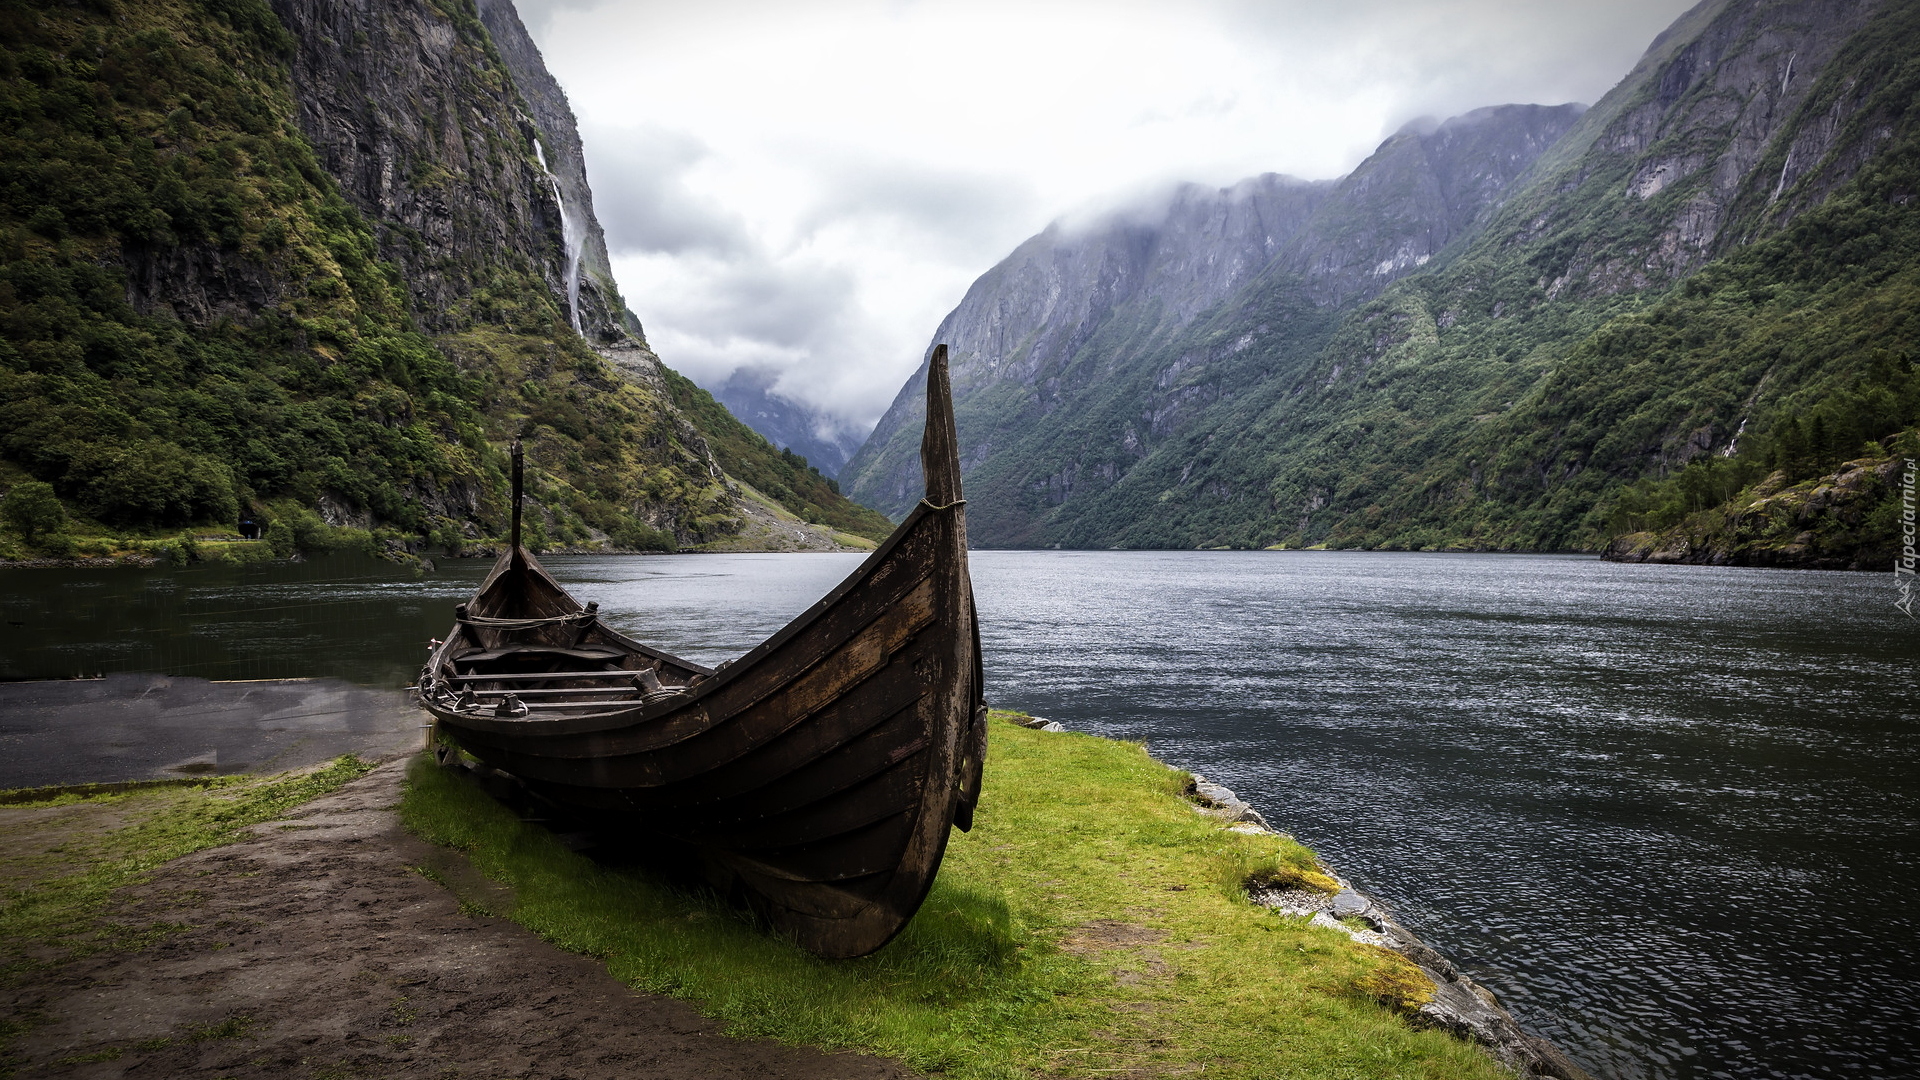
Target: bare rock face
454	139
604	317
197	284
417	117
451	137
457	143
1032	312
1427	186
1075	305
1022	323
1718	137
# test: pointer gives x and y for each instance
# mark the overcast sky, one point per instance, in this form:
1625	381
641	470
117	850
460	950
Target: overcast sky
811	185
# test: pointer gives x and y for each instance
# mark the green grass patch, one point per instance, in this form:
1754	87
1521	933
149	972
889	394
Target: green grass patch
1091	923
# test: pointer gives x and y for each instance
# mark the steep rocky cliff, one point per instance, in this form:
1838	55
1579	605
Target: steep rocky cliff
1023	322
1093	312
1725	242
604	317
1508	399
305	260
1424	189
1717	144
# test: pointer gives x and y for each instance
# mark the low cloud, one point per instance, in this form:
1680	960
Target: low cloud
646	198
807	189
940	204
537	15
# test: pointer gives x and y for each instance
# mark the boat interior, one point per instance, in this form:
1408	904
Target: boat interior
568	665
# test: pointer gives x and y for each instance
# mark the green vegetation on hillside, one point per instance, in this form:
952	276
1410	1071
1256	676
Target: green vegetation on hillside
160	139
1508	399
1124	409
146	139
1091	924
1579	418
1798	354
195	325
781	475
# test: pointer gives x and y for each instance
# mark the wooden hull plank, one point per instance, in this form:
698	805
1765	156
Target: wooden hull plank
821	772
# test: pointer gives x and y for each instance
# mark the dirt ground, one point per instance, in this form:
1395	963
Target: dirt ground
317	948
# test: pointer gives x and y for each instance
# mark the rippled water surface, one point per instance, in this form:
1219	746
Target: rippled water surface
1668	814
351	618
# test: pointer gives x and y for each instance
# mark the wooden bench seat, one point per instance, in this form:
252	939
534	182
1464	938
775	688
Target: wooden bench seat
581	652
533	676
548	692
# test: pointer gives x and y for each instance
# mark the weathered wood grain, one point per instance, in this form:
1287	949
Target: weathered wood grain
818	776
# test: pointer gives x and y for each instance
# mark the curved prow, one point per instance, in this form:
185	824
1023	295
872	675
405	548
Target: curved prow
820	775
940	464
940	445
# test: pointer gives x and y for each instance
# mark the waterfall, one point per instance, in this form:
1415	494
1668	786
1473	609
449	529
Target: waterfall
571	233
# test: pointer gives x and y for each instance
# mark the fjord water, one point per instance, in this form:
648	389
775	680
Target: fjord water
341	617
1668	814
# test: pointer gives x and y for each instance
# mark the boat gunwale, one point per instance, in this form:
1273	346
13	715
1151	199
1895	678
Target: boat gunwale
894	757
722	676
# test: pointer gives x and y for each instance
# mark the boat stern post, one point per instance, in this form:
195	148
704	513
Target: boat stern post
519	470
940	464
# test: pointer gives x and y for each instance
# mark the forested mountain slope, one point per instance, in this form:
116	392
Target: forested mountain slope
1507	399
278	260
1716	255
1070	357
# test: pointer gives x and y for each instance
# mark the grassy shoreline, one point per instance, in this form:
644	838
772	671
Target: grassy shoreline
1092	924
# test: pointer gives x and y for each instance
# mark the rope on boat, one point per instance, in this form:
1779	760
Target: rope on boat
578	618
943	506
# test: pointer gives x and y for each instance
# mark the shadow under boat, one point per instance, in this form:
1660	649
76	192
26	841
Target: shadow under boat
817	777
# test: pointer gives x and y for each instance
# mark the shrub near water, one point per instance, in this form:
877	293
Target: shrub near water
1091	923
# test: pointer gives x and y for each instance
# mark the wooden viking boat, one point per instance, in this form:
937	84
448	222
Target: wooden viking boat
817	775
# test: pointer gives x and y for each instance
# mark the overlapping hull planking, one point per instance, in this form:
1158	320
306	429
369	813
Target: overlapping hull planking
818	775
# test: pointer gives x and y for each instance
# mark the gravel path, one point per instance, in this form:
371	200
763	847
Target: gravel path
315	949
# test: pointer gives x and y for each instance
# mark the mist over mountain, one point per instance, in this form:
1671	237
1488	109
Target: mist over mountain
1081	318
1526	327
749	394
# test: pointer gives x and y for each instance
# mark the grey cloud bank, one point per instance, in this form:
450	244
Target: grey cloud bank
804	190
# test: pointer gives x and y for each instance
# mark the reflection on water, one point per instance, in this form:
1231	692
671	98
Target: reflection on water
1667	814
350	617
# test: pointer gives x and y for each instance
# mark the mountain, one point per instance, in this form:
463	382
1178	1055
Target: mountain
1091	321
748	393
322	260
602	316
1712	265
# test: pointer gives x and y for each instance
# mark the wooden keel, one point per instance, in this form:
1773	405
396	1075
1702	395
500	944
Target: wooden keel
820	773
